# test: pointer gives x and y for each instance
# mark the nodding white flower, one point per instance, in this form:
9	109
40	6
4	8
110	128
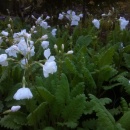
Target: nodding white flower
50	66
53	32
47	17
15	108
23	93
96	23
70	52
24	62
44	37
3	60
123	23
1	40
25	48
21	36
75	20
5	33
47	53
103	15
12	51
39	20
45	44
44	24
61	16
81	15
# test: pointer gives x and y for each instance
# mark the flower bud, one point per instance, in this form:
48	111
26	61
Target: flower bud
70	52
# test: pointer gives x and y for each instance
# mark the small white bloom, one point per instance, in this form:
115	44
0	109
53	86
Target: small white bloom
12	51
44	24
24	62
47	17
44	37
15	108
96	23
61	16
23	93
74	22
5	33
1	40
47	53
81	15
53	32
70	52
103	15
45	44
123	23
50	67
3	60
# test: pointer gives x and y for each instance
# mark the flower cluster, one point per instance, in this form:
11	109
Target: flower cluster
71	16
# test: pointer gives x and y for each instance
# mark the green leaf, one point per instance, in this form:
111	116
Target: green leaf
89	79
106	57
70	124
124	120
74	110
49	128
37	114
127	59
105	119
78	89
8	122
70	66
63	91
84	40
45	94
39	81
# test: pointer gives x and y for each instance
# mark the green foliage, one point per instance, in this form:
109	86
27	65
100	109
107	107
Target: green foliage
105	119
37	114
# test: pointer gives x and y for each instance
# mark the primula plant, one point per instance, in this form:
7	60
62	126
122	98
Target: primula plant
55	78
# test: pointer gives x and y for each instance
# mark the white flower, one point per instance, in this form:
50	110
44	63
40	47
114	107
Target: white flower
53	32
39	20
12	51
81	15
96	23
5	33
123	23
1	40
15	108
45	44
44	37
3	60
24	62
49	67
61	16
70	52
25	48
47	17
44	24
47	53
23	93
74	23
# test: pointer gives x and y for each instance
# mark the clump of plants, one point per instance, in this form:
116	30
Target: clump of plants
65	77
